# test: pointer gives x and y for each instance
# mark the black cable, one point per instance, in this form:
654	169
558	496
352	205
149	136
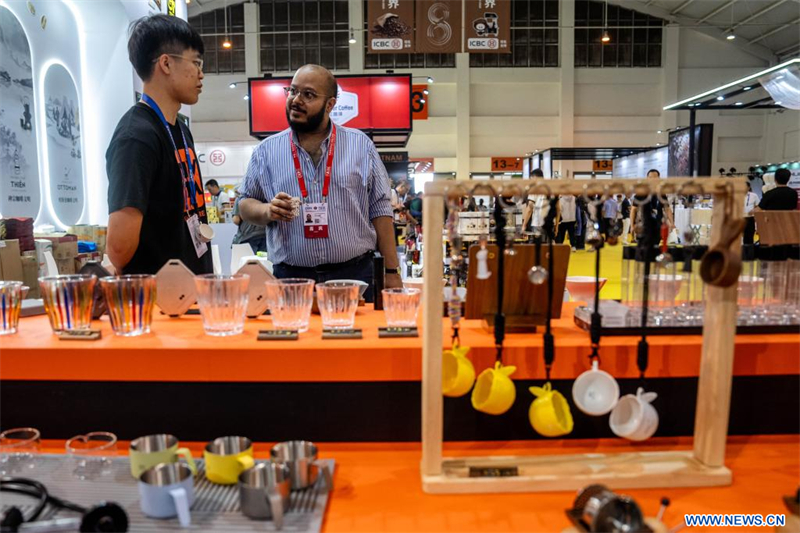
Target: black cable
499	317
549	341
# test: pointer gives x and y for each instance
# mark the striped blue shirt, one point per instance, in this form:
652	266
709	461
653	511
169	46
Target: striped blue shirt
359	192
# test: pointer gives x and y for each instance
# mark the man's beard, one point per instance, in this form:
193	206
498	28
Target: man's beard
312	122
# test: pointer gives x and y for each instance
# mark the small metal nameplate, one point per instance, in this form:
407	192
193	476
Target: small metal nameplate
398	332
492	471
80	335
341	333
278	335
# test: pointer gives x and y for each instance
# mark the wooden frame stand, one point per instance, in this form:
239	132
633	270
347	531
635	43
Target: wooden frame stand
701	467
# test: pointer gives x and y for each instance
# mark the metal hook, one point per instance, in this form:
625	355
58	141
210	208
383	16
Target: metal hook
477	188
531	190
514	203
637	192
597	202
662	193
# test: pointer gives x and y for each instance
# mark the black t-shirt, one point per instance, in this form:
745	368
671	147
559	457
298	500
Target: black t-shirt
143	173
779	199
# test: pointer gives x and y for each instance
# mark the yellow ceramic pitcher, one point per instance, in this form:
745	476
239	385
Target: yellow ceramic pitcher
549	413
494	392
458	374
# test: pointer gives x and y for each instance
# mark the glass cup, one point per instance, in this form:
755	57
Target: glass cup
91	453
11	295
290	302
130	302
17	449
68	301
401	307
223	303
338	301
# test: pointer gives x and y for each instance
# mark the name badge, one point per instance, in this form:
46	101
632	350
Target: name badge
200	247
315	220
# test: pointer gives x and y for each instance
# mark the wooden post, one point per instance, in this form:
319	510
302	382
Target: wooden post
716	360
432	298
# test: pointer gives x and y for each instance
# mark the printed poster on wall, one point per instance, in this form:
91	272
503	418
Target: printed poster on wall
19	162
487	26
391	26
64	145
438	26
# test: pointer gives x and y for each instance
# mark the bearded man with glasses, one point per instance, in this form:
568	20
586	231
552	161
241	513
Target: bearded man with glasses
321	190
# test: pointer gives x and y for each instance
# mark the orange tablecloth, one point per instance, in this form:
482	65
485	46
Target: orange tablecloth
378	486
178	350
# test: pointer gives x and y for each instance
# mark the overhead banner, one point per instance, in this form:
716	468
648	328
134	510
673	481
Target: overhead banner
391	26
488	26
438	28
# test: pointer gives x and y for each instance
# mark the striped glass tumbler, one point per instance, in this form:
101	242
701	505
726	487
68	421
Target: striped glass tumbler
68	301
130	302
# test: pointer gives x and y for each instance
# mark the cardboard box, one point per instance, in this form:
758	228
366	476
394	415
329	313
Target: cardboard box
65	250
11	260
30	273
65	266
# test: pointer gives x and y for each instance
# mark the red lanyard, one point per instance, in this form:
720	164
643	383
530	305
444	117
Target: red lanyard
328	165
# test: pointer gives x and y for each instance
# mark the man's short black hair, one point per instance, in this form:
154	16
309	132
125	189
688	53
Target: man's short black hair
154	35
782	176
654	170
212	183
537	173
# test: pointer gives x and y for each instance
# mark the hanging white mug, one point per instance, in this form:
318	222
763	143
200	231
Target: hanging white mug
595	392
634	418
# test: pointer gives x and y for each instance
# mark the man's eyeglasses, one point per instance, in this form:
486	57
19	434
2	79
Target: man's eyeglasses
307	94
197	62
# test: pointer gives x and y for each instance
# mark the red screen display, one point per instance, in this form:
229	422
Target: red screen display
365	103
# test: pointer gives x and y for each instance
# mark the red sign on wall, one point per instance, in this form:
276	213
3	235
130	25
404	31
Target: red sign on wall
375	103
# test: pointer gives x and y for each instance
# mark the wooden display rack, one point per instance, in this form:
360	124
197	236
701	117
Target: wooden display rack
702	467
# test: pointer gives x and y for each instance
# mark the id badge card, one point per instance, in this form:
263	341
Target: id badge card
315	220
200	247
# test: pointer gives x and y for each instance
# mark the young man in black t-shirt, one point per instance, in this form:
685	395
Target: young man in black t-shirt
155	192
782	197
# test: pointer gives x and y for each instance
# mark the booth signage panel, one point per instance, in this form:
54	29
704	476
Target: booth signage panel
507	164
602	165
438	26
364	102
419	102
391	26
487	26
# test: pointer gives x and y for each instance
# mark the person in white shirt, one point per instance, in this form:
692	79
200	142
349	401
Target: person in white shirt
750	203
219	198
566	215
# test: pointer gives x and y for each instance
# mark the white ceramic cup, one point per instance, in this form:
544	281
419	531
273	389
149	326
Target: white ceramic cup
634	418
595	392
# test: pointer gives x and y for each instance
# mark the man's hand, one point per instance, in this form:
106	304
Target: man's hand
393	281
280	208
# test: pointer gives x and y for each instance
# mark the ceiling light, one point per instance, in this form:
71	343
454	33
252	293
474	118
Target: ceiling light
659	131
731	37
425	92
430	80
421	100
352	37
739	103
778	103
606	38
658	144
232	85
747	88
779	77
246	97
226	44
720	98
188	2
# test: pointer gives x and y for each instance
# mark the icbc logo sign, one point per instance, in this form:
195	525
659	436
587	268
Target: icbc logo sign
216	157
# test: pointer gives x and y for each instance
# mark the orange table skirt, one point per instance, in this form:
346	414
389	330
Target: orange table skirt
378	486
178	350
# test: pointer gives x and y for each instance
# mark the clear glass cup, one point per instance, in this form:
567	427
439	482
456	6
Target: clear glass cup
91	453
18	448
290	301
223	303
11	295
793	291
337	301
130	301
68	301
401	306
663	290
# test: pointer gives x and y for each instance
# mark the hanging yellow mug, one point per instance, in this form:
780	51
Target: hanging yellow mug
549	413
494	392
458	374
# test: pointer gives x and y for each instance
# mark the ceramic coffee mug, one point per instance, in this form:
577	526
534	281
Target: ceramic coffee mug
151	450
595	392
264	492
301	458
634	418
226	458
549	413
167	490
494	392
458	373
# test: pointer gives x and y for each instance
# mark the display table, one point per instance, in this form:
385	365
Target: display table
178	379
377	486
